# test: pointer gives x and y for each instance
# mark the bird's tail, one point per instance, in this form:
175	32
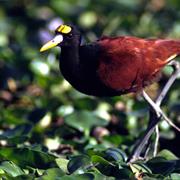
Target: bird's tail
169	49
171	58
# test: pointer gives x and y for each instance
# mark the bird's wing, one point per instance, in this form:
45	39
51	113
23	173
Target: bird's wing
130	61
120	62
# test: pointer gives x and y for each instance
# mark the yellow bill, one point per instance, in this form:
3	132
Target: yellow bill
52	43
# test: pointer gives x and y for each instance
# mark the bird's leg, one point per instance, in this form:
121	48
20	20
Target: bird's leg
155	115
176	68
156	141
156	105
158	110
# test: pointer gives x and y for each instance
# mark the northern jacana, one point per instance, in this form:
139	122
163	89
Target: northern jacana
111	66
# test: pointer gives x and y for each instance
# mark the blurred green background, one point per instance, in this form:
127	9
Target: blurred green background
40	110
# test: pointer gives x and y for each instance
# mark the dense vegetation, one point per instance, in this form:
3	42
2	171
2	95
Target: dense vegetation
48	130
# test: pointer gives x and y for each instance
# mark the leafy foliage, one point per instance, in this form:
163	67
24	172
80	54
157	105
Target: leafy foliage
48	130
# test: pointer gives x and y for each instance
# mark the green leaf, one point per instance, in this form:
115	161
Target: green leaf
84	121
6	176
114	139
167	155
76	162
85	176
109	169
99	176
16	140
160	165
25	177
85	103
141	167
101	160
27	157
116	154
17	131
105	167
62	164
17	135
173	176
53	173
11	168
12	117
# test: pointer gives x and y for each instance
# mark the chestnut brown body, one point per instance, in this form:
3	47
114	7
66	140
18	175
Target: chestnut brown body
128	64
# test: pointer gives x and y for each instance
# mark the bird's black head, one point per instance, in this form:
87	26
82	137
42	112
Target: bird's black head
65	35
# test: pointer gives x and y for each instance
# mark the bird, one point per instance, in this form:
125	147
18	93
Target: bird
111	66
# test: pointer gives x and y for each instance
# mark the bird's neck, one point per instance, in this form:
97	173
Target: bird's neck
69	62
